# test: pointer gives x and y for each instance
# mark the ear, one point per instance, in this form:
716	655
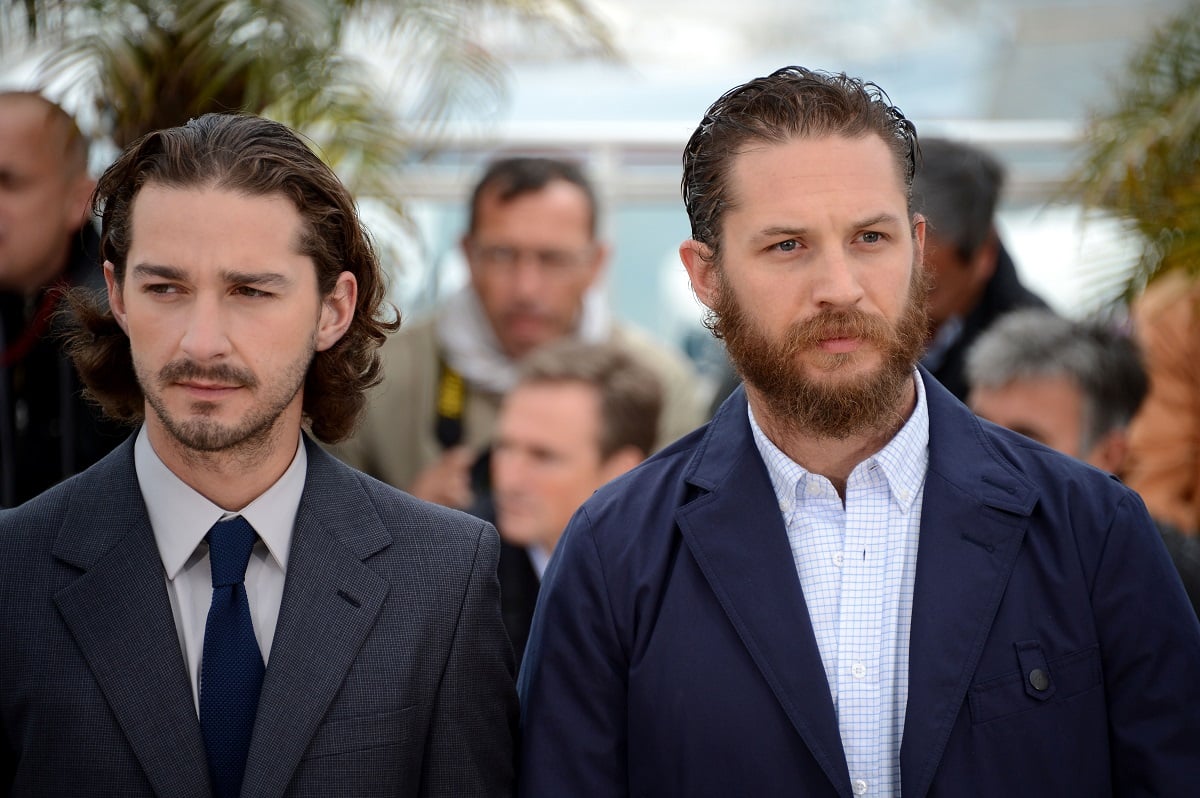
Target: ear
1110	451
620	461
598	262
919	226
79	199
115	299
983	265
337	311
698	260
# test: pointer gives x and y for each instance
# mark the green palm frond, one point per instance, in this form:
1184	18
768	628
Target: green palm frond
1142	158
149	64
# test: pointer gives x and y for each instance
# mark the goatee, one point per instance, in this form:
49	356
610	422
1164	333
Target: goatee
832	405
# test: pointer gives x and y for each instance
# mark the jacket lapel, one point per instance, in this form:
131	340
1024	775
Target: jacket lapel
736	533
120	616
973	520
330	603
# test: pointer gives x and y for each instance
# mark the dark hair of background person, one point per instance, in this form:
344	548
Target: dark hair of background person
510	178
256	157
1103	362
790	102
630	394
957	188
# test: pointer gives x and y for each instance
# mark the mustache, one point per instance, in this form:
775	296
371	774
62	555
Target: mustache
847	323
180	370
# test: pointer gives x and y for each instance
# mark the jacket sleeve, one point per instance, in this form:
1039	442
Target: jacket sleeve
471	746
573	681
1150	648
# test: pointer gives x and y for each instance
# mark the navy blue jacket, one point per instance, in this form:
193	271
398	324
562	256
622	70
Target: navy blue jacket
672	654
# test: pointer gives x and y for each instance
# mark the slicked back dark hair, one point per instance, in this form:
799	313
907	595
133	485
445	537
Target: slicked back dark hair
510	178
792	102
253	157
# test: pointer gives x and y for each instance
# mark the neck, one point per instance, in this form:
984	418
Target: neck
832	457
231	478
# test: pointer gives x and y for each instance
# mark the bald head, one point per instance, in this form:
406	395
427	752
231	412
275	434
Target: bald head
44	190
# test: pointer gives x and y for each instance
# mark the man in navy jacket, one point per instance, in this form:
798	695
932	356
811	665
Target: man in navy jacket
846	584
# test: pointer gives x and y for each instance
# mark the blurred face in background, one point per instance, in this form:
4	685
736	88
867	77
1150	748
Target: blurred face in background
1050	410
955	283
532	258
546	460
44	193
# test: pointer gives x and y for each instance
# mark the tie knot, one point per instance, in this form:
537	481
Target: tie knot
229	545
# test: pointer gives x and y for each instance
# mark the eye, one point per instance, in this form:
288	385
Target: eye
160	288
872	237
250	291
787	246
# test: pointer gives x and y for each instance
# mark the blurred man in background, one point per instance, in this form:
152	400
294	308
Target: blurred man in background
580	416
47	243
535	263
1074	386
973	279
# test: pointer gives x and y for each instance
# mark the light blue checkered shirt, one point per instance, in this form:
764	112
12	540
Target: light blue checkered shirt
857	564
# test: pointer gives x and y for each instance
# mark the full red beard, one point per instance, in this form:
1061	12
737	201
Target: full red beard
831	407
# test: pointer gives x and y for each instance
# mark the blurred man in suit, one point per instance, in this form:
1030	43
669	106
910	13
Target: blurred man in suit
218	607
535	260
1074	386
579	416
973	280
48	431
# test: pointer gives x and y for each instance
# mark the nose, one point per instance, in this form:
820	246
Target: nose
527	277
205	336
838	281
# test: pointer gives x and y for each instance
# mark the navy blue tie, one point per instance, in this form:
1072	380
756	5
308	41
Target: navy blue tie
231	672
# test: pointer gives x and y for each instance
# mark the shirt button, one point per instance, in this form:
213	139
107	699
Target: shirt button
839	559
860	787
812	488
858	670
785	506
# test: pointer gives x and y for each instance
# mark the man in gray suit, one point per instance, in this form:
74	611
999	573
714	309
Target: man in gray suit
218	607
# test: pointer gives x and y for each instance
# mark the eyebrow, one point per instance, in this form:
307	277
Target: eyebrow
800	232
152	270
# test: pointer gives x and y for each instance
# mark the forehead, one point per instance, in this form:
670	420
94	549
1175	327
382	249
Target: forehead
557	203
178	225
28	129
567	411
818	173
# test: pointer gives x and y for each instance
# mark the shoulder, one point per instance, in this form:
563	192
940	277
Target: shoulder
666	360
343	495
414	343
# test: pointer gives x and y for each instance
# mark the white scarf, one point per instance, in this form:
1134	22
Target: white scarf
471	347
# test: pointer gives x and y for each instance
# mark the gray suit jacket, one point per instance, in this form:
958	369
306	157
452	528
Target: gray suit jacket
390	673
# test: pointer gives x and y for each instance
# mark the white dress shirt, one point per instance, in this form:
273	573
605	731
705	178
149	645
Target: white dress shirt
857	565
181	518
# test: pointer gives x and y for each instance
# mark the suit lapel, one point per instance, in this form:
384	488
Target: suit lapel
737	536
120	616
330	603
972	523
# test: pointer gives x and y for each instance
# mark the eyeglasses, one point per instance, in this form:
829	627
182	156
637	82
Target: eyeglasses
550	262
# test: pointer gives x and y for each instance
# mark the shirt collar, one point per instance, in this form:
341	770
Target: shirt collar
181	517
904	459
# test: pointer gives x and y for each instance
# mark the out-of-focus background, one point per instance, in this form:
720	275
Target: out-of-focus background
408	99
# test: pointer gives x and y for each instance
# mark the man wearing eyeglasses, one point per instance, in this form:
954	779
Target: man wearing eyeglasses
534	263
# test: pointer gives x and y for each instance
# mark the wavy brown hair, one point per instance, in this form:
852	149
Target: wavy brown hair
253	157
789	103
